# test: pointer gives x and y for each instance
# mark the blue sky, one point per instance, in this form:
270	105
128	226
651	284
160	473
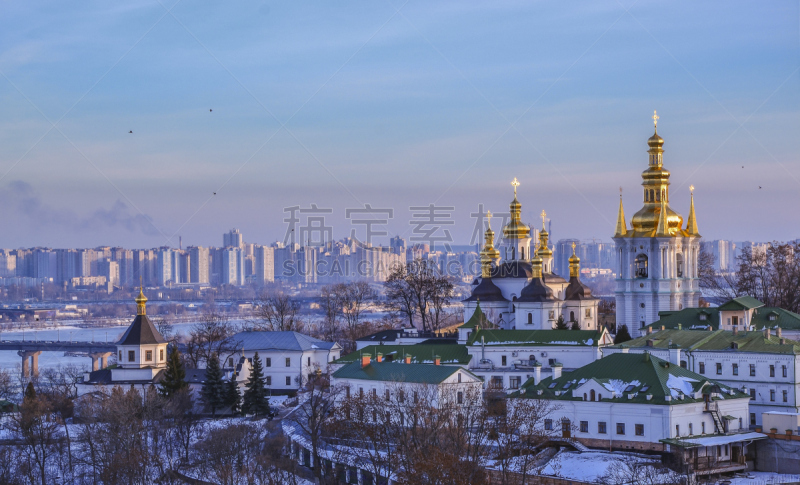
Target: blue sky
390	104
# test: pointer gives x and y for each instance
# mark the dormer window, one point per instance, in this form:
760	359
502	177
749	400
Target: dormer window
703	316
773	317
131	355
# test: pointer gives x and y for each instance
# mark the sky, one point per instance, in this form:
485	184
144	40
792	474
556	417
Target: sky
135	123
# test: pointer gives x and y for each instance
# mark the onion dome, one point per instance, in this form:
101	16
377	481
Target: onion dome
515	229
486	291
576	290
488	254
141	301
536	290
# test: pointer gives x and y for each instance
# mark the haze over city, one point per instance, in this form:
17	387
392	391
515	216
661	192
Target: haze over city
189	118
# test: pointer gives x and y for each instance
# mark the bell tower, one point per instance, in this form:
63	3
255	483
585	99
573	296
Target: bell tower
657	256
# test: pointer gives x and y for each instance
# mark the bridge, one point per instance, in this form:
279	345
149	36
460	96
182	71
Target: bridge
30	351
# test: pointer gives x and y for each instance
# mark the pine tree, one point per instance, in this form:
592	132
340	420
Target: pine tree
174	376
255	400
561	324
233	399
575	326
30	392
622	335
213	391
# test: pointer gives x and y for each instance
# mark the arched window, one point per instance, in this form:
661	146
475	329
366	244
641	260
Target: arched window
592	394
658	196
571	316
679	265
652	195
641	266
521	253
584	396
530	318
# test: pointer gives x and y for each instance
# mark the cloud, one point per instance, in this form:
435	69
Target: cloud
19	198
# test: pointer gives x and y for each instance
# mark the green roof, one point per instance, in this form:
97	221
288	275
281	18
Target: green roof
741	303
478	318
639	375
420	354
536	337
396	372
690	318
716	340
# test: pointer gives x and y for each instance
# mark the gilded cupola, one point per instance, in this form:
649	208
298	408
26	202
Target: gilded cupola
515	229
488	254
655	181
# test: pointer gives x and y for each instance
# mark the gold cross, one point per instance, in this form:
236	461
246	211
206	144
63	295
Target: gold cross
515	184
544	216
691	189
655	119
573	247
489	218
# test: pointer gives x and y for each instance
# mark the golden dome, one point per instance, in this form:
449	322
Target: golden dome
141	301
516	229
488	254
655	140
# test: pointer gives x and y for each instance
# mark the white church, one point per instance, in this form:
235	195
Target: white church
520	290
657	256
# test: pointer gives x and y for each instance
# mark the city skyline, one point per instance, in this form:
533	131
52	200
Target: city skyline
412	104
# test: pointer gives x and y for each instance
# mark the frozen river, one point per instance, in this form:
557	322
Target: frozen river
10	359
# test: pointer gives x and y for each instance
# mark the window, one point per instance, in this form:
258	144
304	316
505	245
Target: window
230	361
269	380
772	371
719	368
591	395
772	394
677	430
736	369
374	392
120	356
514	382
503	361
752	370
784	371
621	428
679	265
571	316
460	397
702	367
268	362
734	321
161	355
459	377
309	362
785	395
552	315
530	318
346	390
740	423
288	381
548	424
752	393
703	427
601	427
388	395
131	356
641	266
752	419
288	361
148	355
691	429
639	430
588	312
584	426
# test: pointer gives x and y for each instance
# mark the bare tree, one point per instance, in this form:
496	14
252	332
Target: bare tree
211	335
417	289
331	306
630	468
719	285
354	298
277	311
225	454
399	295
39	432
6	384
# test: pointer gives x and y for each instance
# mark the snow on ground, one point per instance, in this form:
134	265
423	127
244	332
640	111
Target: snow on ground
678	385
764	478
587	466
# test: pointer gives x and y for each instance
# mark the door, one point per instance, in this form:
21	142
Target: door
566	431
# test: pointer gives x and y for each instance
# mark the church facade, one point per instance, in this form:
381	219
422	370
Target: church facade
520	290
656	256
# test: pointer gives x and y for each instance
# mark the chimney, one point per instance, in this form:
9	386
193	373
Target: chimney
650	342
675	355
663	327
537	372
437	360
365	360
649	330
379	357
766	332
680	327
408	358
736	330
782	341
779	332
556	370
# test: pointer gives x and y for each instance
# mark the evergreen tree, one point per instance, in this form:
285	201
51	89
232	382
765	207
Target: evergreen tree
561	324
30	392
233	399
255	400
213	391
174	376
575	326
622	335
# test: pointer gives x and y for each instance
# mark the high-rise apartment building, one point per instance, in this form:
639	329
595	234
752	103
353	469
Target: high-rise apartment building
264	264
198	261
232	239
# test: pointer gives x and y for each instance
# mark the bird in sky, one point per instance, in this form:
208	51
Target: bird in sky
130	131
210	110
215	193
759	186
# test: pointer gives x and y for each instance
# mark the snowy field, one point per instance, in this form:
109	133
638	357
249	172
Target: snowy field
763	478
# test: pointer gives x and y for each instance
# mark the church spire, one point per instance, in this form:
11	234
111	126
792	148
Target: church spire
691	222
141	301
622	228
488	254
574	264
663	229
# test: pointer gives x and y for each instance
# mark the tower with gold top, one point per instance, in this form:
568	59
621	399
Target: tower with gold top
657	255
